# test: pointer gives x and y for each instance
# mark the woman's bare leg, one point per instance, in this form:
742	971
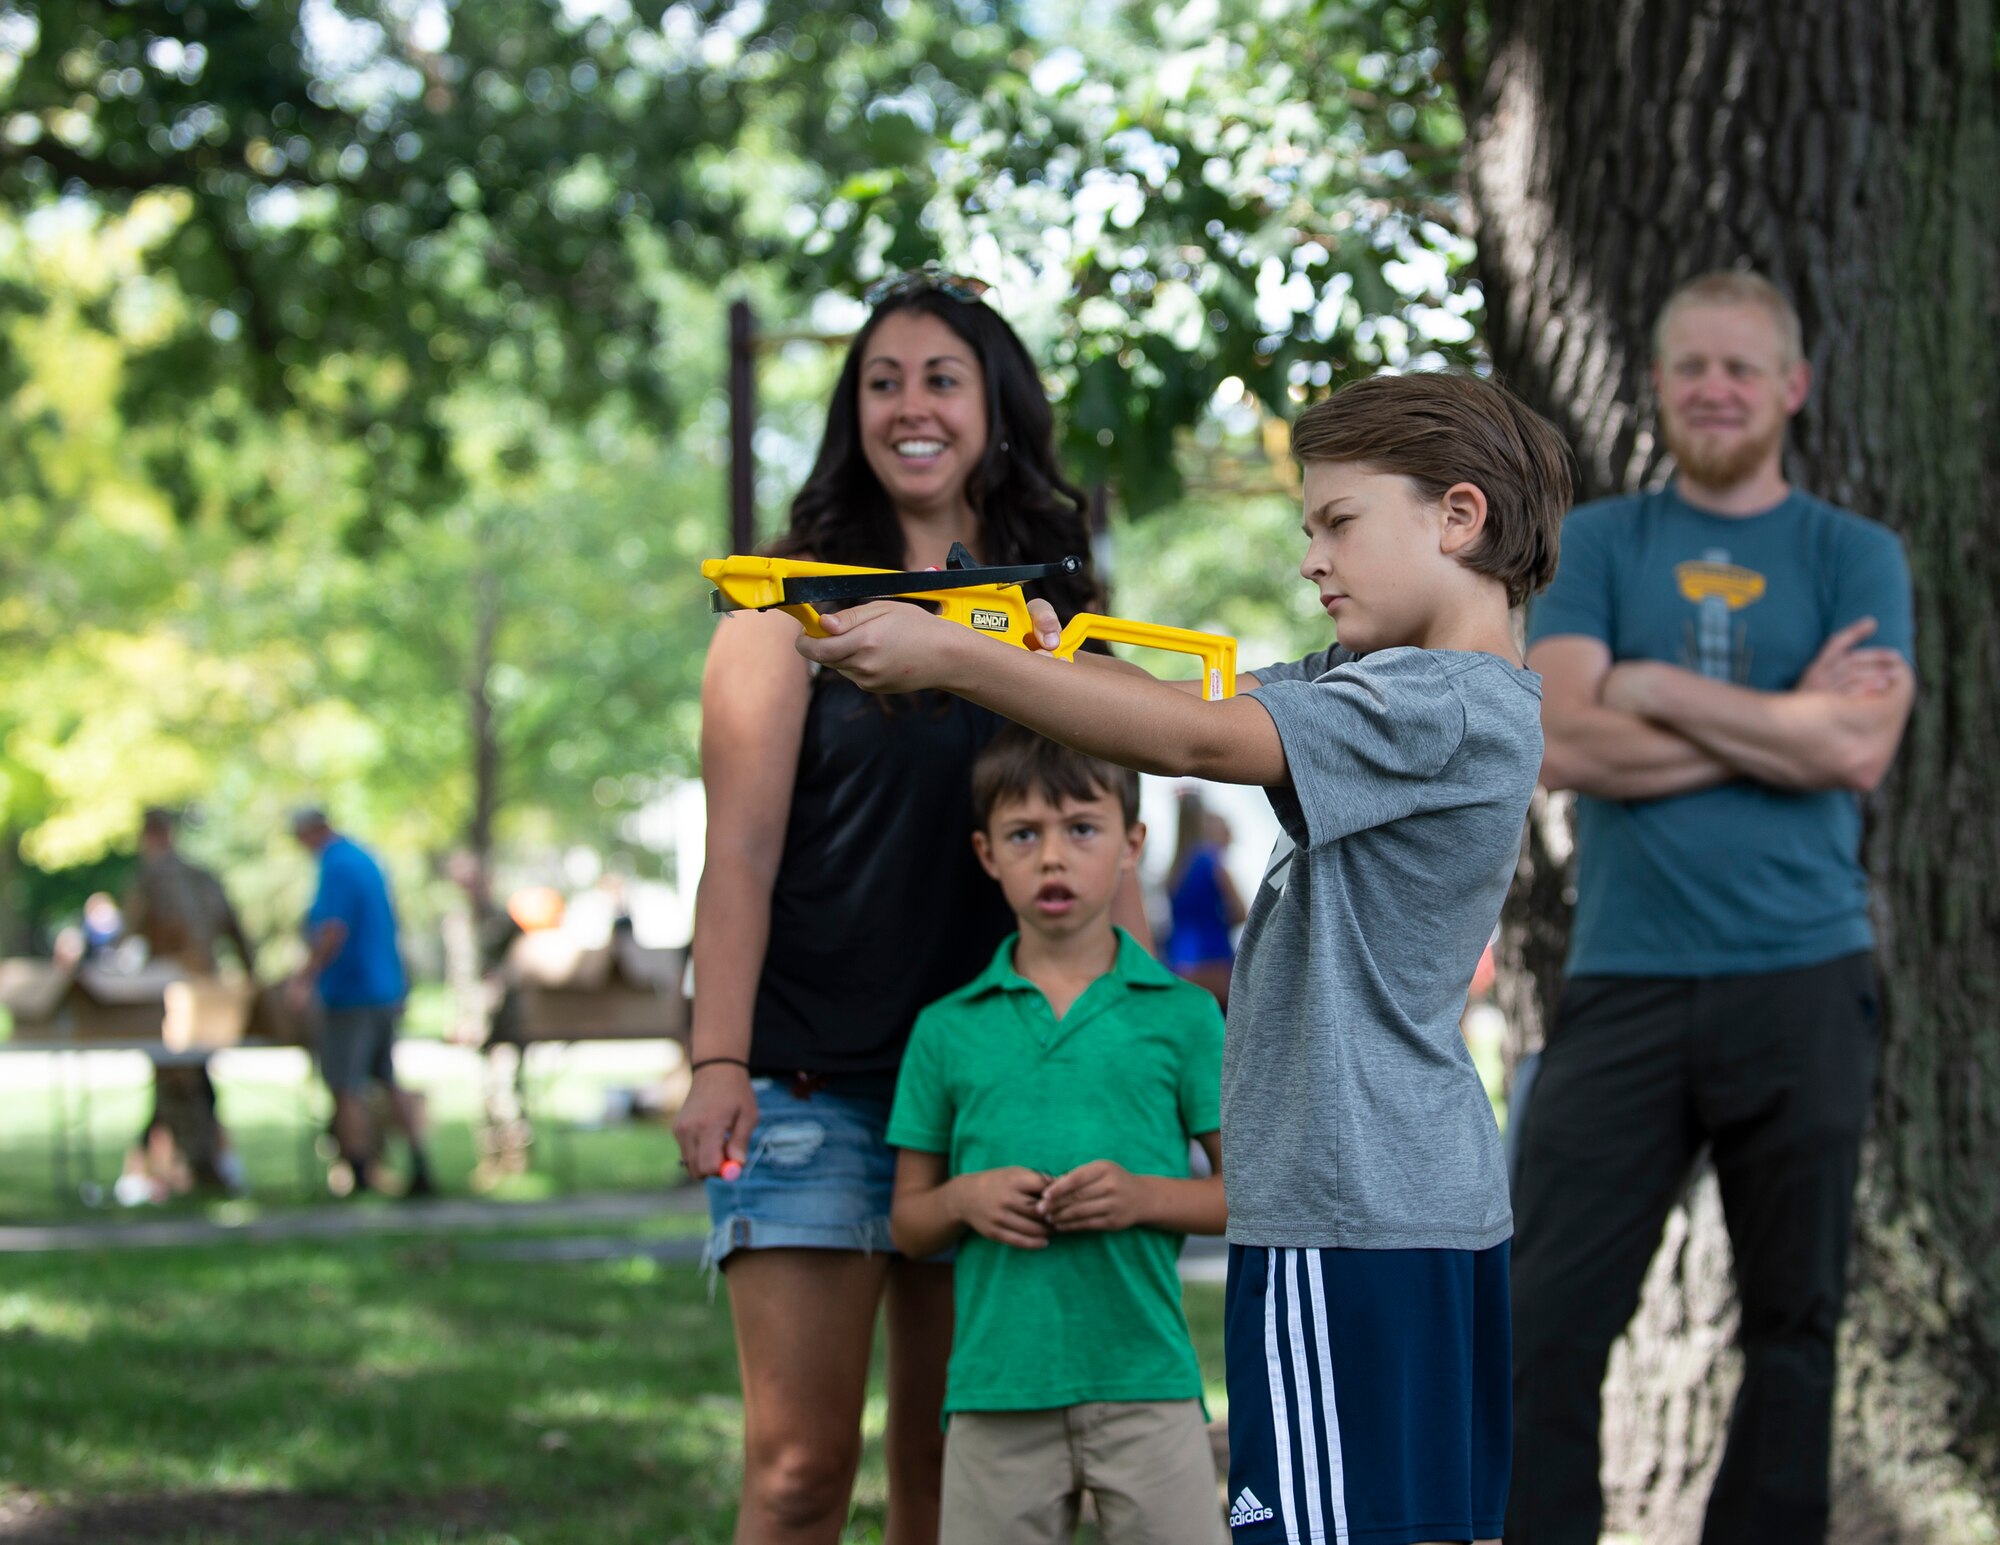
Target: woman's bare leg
805	1320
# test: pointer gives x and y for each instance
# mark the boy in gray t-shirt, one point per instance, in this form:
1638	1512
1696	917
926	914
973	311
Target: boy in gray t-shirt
1352	1116
1367	1315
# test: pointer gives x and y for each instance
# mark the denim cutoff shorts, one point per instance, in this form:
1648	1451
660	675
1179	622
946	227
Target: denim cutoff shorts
819	1176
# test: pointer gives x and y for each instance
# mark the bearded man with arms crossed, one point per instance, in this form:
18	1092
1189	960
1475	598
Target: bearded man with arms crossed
1727	669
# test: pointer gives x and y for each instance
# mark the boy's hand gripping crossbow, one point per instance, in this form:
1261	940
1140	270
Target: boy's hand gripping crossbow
987	599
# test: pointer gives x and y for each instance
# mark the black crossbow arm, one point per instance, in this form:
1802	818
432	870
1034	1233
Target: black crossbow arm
958	573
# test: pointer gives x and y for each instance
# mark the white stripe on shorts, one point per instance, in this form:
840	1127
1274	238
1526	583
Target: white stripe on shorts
1302	1382
1281	1421
1336	1470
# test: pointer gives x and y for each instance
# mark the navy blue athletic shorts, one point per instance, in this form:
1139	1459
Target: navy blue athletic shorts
1370	1395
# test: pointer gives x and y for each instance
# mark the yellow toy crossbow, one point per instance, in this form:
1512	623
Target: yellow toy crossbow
983	597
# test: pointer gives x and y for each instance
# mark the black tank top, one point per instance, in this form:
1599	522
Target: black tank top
879	906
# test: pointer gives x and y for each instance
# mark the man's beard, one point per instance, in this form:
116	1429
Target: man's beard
1720	466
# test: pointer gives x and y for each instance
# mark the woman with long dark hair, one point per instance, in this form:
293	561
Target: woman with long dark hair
840	895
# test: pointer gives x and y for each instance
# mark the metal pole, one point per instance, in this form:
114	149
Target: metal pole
59	1134
1099	516
742	425
89	1155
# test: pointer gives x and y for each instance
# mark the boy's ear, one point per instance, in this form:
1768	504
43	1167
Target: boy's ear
983	850
1135	844
1464	507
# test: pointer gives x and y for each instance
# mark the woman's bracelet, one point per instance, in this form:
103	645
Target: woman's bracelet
704	1062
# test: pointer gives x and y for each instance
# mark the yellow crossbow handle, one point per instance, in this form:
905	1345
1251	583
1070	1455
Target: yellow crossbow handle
985	598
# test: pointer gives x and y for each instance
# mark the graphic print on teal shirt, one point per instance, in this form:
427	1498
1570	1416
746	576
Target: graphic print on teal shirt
1718	646
1744	877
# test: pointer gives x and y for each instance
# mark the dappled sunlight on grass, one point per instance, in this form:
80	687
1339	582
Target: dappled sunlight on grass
350	1370
31	1315
580	1404
587	1404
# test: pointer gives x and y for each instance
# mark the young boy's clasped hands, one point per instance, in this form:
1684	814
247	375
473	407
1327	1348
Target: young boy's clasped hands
1022	1207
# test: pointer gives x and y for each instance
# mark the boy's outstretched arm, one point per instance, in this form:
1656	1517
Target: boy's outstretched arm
932	1208
1124	716
1101	1195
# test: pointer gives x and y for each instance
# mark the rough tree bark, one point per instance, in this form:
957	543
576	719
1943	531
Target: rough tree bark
1849	149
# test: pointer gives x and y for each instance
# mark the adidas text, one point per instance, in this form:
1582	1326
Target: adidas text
1246	1509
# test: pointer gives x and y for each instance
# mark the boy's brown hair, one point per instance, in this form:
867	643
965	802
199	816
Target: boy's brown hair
1437	428
1017	762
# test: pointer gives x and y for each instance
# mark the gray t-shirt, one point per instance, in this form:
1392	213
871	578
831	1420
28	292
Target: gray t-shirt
1352	1116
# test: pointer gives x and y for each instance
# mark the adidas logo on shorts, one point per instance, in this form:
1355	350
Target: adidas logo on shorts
1246	1509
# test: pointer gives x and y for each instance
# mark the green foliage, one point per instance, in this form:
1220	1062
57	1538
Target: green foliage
1227	191
156	660
362	360
1226	565
383	204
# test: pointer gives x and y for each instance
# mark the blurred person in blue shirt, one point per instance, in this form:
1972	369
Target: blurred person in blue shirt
1205	905
356	967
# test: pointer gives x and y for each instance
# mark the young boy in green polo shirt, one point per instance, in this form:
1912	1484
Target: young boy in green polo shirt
1043	1116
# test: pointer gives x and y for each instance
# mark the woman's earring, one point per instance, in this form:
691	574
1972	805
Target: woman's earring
1005	446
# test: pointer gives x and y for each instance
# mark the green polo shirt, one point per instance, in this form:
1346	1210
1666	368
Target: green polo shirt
1130	1073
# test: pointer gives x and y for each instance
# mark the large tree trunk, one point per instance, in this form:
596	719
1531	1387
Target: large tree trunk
1849	149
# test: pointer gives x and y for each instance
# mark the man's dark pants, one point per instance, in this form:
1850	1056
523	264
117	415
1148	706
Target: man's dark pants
1774	1072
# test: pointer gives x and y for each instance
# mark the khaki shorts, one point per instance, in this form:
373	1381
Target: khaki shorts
1018	1477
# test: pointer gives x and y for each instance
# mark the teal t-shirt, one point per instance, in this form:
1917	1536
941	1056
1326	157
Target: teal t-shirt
1130	1073
1744	877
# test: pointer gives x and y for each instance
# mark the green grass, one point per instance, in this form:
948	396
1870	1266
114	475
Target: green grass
392	1384
394	1391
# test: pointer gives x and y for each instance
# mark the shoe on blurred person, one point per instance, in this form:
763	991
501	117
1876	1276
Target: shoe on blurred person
134	1191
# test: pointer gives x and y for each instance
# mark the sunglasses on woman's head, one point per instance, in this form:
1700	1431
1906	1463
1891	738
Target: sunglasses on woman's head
930	277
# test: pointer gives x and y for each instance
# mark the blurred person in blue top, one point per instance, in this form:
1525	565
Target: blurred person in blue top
1727	669
103	925
355	965
1206	907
